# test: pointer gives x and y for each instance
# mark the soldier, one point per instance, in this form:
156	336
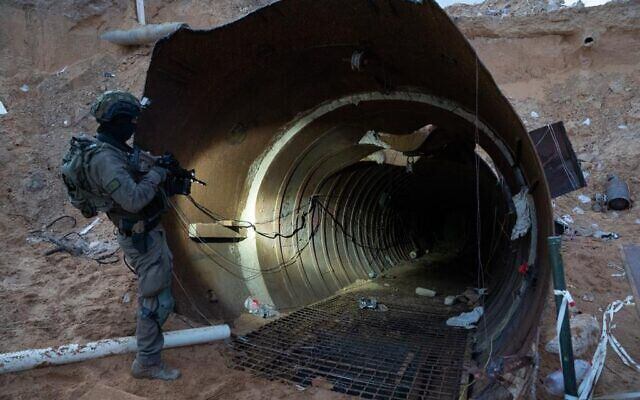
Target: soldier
105	179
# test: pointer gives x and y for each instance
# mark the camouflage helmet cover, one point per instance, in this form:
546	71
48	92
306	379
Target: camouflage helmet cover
112	103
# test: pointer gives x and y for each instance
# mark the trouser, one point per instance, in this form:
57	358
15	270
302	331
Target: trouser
155	302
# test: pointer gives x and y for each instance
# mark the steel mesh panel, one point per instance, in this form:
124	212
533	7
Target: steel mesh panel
403	353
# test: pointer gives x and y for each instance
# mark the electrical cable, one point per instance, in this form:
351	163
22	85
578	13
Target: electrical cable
481	281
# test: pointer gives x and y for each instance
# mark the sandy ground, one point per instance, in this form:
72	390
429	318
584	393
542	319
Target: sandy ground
538	59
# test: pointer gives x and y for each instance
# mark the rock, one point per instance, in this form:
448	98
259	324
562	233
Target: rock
450	300
585	331
35	183
425	292
588	297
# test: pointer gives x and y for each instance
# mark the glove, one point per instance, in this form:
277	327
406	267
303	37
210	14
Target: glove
162	172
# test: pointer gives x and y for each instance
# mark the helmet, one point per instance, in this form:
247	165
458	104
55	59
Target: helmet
113	103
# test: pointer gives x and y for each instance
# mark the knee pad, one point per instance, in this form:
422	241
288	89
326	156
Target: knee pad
159	307
165	306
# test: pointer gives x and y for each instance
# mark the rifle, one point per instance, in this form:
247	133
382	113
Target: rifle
178	180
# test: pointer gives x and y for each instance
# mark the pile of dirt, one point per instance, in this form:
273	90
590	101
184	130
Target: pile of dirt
53	65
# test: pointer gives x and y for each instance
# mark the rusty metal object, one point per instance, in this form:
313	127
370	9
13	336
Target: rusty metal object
618	196
270	110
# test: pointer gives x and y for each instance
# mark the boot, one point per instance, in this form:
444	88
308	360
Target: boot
155	371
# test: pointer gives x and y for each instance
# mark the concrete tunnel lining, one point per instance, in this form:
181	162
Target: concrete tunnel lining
239	95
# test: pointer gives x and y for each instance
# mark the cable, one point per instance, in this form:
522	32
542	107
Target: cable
481	281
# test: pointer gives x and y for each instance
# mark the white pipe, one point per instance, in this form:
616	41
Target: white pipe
27	359
144	35
140	10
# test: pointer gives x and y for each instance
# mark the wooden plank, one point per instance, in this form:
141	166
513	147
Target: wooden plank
213	231
631	256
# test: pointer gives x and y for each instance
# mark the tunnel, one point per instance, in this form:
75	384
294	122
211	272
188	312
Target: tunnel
339	140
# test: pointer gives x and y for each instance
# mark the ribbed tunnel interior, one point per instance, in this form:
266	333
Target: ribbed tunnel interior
277	111
343	214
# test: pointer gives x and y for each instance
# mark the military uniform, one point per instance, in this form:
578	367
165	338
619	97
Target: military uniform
102	175
110	171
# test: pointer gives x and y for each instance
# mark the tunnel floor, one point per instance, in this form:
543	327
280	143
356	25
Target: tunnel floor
405	352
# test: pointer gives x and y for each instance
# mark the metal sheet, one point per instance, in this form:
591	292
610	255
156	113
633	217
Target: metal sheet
561	167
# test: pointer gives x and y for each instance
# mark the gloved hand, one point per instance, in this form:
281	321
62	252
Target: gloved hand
176	185
163	172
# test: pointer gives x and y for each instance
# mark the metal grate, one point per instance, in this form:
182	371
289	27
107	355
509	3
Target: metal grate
403	353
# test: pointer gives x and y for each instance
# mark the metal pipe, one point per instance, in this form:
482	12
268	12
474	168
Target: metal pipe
144	35
566	349
618	197
71	353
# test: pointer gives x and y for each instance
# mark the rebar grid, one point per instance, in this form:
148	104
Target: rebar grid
401	353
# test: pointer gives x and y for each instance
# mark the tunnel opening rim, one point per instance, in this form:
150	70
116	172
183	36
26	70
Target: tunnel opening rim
249	249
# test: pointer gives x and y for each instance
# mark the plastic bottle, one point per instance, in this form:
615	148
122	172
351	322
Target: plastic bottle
554	382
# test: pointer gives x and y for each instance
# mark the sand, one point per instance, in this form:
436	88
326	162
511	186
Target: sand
537	58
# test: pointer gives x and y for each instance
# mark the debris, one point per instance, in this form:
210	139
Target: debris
623	127
35	183
62	71
372	274
554	382
584	334
126	298
254	307
65	122
371	303
467	319
472	295
584	199
89	227
597	362
24	88
600	202
586	122
425	292
109	75
566	218
618	196
589	297
321	382
605	235
145	101
578	210
534	114
523	219
3	110
450	300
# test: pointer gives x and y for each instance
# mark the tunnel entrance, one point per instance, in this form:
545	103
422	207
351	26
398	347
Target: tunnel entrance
272	111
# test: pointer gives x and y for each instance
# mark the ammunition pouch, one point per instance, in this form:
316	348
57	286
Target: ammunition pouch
138	231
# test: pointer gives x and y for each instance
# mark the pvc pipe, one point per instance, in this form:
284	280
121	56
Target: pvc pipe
144	35
28	359
140	10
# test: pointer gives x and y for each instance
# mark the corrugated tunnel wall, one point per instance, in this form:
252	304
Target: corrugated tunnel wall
271	110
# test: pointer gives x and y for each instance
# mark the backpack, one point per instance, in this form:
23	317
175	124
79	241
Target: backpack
74	168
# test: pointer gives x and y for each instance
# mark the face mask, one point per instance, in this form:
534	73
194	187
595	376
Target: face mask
121	130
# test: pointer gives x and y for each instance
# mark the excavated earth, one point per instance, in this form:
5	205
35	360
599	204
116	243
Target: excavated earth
52	65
